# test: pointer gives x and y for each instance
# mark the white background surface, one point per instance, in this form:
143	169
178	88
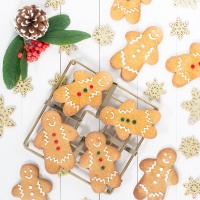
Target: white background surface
86	15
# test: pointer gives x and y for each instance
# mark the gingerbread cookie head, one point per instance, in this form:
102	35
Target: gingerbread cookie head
28	172
94	140
50	119
166	157
154	33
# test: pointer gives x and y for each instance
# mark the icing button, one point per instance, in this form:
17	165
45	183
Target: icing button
158	175
98	152
122	119
128	120
78	94
55	141
32	193
58	148
134	121
53	134
91	86
85	90
30	187
100	159
192	66
102	168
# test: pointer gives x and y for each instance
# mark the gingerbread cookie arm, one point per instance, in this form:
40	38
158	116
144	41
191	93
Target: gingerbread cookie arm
147	165
133	36
45	185
69	132
127	106
40	140
172	177
95	99
151	56
17	191
80	75
172	64
195	49
117	11
113	153
86	159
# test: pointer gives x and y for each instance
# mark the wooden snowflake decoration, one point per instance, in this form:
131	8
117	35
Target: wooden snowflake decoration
154	90
23	86
5	116
189	147
56	79
179	28
192	187
186	3
67	48
103	35
54	3
193	106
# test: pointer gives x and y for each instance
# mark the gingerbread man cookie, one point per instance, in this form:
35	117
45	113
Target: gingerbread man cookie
86	90
185	67
100	158
55	139
141	49
158	174
128	8
31	187
128	120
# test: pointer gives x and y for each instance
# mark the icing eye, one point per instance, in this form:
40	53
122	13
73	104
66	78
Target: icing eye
47	119
153	31
165	154
25	171
53	117
85	90
134	121
99	138
91	140
31	170
78	94
122	119
127	120
170	157
91	86
192	66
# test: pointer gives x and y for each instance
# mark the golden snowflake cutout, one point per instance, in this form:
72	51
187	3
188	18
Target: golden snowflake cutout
103	35
189	147
179	28
54	3
154	90
193	106
193	187
23	86
67	48
56	79
186	3
5	116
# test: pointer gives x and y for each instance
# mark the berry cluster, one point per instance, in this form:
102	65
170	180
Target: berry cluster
34	49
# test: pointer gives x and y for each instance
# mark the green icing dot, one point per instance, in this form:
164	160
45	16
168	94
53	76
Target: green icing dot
134	122
98	152
122	119
85	90
102	168
128	120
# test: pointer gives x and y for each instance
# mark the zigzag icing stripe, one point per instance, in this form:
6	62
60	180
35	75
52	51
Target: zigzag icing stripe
40	189
66	157
108	157
180	68
131	70
196	54
63	133
149	53
152	167
91	158
123	58
67	93
57	161
111	176
46	138
73	104
52	159
136	40
144	188
132	10
86	80
147	116
99	179
125	111
21	190
123	127
145	129
93	95
124	9
156	194
167	175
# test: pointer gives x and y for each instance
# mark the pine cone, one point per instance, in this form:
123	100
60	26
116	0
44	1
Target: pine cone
31	22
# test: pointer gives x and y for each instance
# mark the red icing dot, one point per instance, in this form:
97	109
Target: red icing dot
57	148
199	63
192	66
91	86
78	94
53	134
55	141
100	159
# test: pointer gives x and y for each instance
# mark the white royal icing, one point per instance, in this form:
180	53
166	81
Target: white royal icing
107	154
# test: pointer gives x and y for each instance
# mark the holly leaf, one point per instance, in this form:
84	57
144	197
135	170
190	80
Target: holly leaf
11	62
62	37
23	66
58	22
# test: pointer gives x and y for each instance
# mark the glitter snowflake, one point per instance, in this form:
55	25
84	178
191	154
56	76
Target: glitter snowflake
5	116
193	187
154	90
179	28
186	3
67	48
57	77
189	147
103	35
54	3
23	86
193	106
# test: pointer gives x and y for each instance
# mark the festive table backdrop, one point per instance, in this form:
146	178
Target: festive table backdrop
86	15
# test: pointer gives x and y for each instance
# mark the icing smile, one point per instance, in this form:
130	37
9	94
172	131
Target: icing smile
99	82
165	161
112	113
52	124
29	177
151	35
97	145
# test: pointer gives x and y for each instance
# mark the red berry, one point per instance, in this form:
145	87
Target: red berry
20	55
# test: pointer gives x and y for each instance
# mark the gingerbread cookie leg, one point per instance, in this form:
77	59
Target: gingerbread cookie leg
114	182
129	73
140	191
98	185
116	12
133	12
68	164
51	165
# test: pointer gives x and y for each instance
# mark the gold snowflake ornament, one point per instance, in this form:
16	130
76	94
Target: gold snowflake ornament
54	3
193	106
103	35
193	187
189	147
67	48
23	86
179	28
186	3
5	116
154	90
56	79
